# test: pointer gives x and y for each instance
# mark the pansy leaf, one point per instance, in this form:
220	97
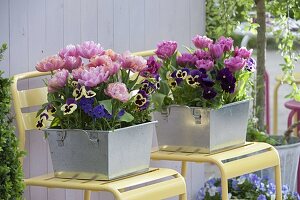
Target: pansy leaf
107	105
55	122
127	117
158	100
164	87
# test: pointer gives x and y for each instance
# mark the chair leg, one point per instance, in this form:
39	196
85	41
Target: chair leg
87	194
183	169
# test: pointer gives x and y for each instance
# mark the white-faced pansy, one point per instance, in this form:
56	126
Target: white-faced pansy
69	107
172	82
79	92
74	84
90	94
140	98
40	123
51	109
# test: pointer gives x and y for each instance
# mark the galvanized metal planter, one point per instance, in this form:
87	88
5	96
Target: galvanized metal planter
194	129
100	155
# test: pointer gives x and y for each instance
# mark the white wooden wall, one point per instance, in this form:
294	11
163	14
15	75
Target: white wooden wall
34	29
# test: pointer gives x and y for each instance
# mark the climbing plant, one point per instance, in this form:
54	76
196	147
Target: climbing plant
222	18
11	184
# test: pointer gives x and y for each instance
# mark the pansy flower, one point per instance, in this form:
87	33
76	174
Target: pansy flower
209	93
250	65
86	104
141	100
79	92
148	87
51	109
74	84
69	107
40	123
172	82
196	76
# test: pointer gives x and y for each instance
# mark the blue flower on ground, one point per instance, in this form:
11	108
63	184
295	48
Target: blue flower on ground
261	197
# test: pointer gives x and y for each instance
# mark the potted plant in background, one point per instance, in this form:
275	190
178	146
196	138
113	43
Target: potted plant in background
10	166
248	186
100	124
288	148
203	100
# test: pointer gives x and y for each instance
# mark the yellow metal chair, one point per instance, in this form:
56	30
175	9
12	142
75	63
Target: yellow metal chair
153	185
235	162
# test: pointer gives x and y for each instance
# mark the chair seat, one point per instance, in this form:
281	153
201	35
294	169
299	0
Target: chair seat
292	104
172	183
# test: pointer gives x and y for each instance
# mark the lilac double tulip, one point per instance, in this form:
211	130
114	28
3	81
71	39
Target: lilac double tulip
58	81
202	42
89	49
166	49
235	63
71	57
91	77
117	91
50	63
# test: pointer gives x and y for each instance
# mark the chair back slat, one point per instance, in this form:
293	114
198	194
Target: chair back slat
30	121
33	97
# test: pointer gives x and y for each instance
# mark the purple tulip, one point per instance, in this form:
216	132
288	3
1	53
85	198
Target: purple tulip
201	42
152	67
235	63
186	59
166	49
205	64
216	50
242	52
202	54
226	43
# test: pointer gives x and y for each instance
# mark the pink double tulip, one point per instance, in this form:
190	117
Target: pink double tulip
105	62
117	91
132	62
89	49
58	81
202	42
50	63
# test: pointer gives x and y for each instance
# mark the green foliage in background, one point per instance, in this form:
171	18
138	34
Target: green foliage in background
11	184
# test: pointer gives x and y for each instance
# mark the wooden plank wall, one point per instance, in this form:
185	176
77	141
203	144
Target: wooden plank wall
34	29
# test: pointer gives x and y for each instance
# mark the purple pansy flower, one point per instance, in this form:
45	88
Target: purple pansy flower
209	93
141	100
250	65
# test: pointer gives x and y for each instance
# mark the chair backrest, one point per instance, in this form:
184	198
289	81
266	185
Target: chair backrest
24	101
